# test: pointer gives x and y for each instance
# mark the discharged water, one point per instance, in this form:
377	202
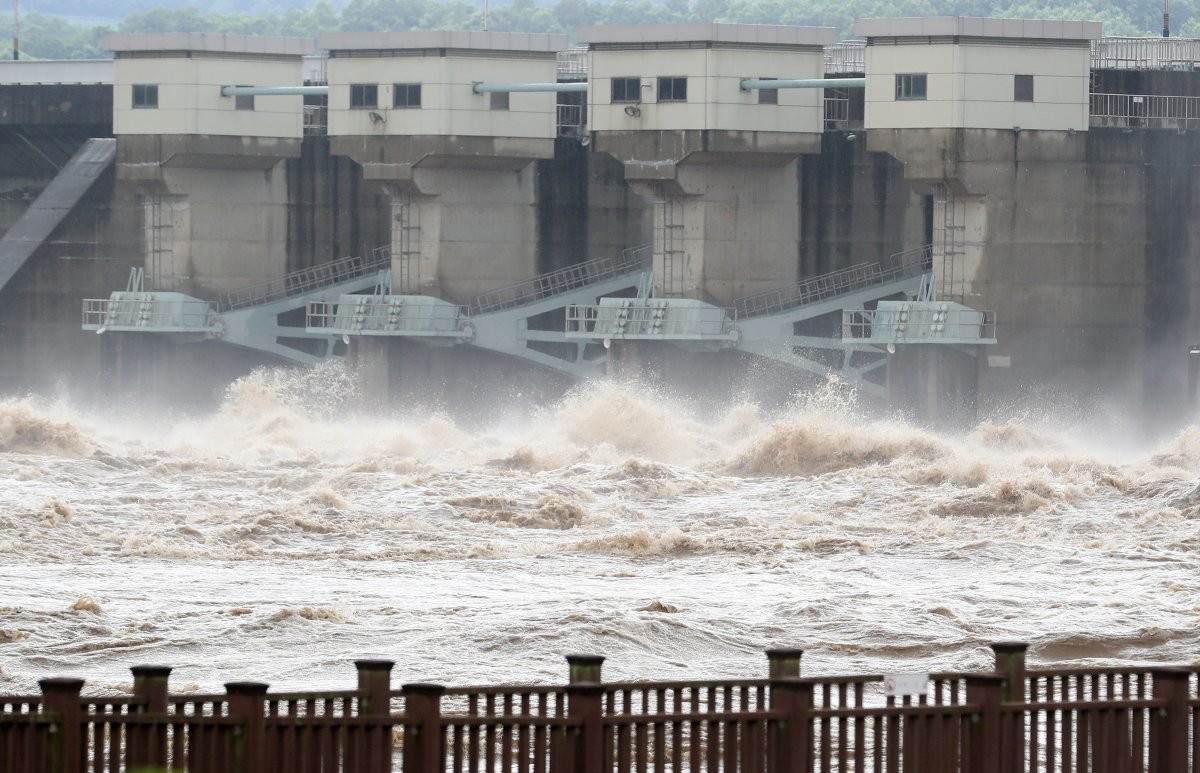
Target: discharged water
282	537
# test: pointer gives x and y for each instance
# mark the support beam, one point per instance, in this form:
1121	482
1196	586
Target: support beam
274	91
809	83
487	88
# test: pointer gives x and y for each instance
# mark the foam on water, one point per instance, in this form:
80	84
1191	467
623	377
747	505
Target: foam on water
285	533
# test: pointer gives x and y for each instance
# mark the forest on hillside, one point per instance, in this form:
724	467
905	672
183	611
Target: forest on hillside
44	35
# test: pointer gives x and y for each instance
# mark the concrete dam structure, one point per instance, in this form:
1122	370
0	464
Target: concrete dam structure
950	214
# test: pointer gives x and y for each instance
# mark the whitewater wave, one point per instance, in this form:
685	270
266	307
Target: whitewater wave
27	427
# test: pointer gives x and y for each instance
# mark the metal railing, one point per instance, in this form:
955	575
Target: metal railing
837	113
1120	53
572	64
304	280
175	314
656	320
847	56
899	266
389	314
561	281
922	324
1146	111
570	121
316	120
316	70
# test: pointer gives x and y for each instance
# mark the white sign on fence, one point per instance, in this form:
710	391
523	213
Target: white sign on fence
905	684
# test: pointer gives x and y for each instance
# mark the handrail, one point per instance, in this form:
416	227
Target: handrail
1129	53
1155	111
1050	671
561	281
845	56
900	265
306	279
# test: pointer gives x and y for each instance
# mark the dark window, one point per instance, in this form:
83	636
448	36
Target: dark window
910	86
1023	88
145	95
672	89
364	95
626	89
243	102
768	96
499	100
406	95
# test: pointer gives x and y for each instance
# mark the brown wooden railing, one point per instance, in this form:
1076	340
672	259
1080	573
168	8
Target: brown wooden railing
1132	719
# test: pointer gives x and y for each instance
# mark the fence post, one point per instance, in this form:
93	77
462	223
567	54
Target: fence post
375	682
249	743
375	700
423	728
584	669
60	695
793	698
783	663
585	702
1169	727
984	691
146	745
1010	664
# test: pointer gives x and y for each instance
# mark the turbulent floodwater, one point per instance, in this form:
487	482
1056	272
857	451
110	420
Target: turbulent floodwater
281	537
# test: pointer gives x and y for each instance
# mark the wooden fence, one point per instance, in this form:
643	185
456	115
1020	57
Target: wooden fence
1107	720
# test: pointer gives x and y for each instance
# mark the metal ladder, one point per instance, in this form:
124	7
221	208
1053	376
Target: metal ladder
410	245
949	239
162	256
668	245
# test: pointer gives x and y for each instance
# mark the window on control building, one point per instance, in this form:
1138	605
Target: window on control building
672	89
145	95
364	95
910	86
406	95
1023	88
626	89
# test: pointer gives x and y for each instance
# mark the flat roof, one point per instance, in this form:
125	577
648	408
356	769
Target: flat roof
977	27
762	34
56	71
462	39
209	42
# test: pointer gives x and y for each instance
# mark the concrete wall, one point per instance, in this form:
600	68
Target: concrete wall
215	230
44	106
190	101
1086	255
475	230
42	347
971	85
714	97
617	215
856	207
449	107
738	231
332	213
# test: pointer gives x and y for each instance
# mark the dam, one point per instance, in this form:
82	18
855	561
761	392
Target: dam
948	214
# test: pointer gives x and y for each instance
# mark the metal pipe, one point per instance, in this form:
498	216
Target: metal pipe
274	91
810	83
485	88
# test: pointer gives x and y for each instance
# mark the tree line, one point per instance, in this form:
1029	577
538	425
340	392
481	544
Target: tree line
52	37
